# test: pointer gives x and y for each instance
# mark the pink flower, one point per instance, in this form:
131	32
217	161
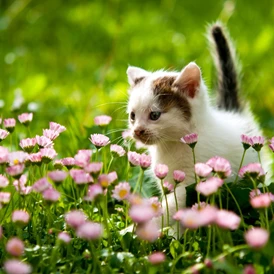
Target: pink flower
50	134
106	179
148	231
227	219
64	237
51	195
262	200
82	158
90	231
117	150
3	181
121	191
44	141
25	118
75	218
254	192
20	185
4	197
202	170
17	157
94	167
145	161
194	218
80	176
15	171
156	205
28	144
126	135
257	142
246	141
221	166
178	176
56	127
99	140
161	171
14	266
271	146
41	185
112	176
35	158
210	186
58	175
249	269
48	154
256	237
3	134
253	170
157	257
4	155
167	187
68	162
140	213
20	216
93	192
9	124
102	120
15	247
133	158
58	164
190	139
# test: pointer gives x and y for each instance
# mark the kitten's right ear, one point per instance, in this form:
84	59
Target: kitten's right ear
135	75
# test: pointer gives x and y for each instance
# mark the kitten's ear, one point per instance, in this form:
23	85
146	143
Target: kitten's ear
189	80
135	75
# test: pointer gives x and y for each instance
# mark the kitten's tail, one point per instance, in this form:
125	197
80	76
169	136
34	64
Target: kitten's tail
225	62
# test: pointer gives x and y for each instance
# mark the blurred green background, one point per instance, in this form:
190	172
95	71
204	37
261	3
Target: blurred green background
67	59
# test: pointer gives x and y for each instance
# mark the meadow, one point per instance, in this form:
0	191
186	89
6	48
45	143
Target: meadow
72	179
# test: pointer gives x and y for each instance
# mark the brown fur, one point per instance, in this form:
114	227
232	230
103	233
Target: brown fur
164	91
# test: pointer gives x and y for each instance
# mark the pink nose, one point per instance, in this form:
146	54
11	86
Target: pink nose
139	132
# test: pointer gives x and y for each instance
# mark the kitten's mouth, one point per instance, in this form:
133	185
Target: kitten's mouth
146	139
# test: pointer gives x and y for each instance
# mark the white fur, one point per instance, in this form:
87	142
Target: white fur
218	132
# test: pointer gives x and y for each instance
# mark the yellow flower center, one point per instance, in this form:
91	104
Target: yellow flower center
16	161
104	183
123	193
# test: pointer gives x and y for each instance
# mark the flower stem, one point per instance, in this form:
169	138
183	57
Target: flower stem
139	182
176	204
259	157
241	163
167	209
235	200
194	161
105	218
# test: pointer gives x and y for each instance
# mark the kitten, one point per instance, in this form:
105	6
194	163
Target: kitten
165	106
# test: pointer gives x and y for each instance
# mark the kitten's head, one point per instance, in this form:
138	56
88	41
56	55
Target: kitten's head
161	103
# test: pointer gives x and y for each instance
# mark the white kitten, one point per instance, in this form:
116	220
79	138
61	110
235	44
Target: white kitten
165	106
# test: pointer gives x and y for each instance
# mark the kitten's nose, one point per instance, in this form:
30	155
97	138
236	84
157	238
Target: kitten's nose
139	131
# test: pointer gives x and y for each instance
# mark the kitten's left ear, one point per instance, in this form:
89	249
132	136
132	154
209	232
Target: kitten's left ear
135	75
189	80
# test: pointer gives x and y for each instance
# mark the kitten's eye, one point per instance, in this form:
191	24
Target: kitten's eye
132	116
154	115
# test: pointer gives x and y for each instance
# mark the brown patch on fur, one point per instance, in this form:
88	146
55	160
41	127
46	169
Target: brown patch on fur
163	84
168	98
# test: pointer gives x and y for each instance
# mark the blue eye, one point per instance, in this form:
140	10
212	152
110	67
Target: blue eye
154	115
